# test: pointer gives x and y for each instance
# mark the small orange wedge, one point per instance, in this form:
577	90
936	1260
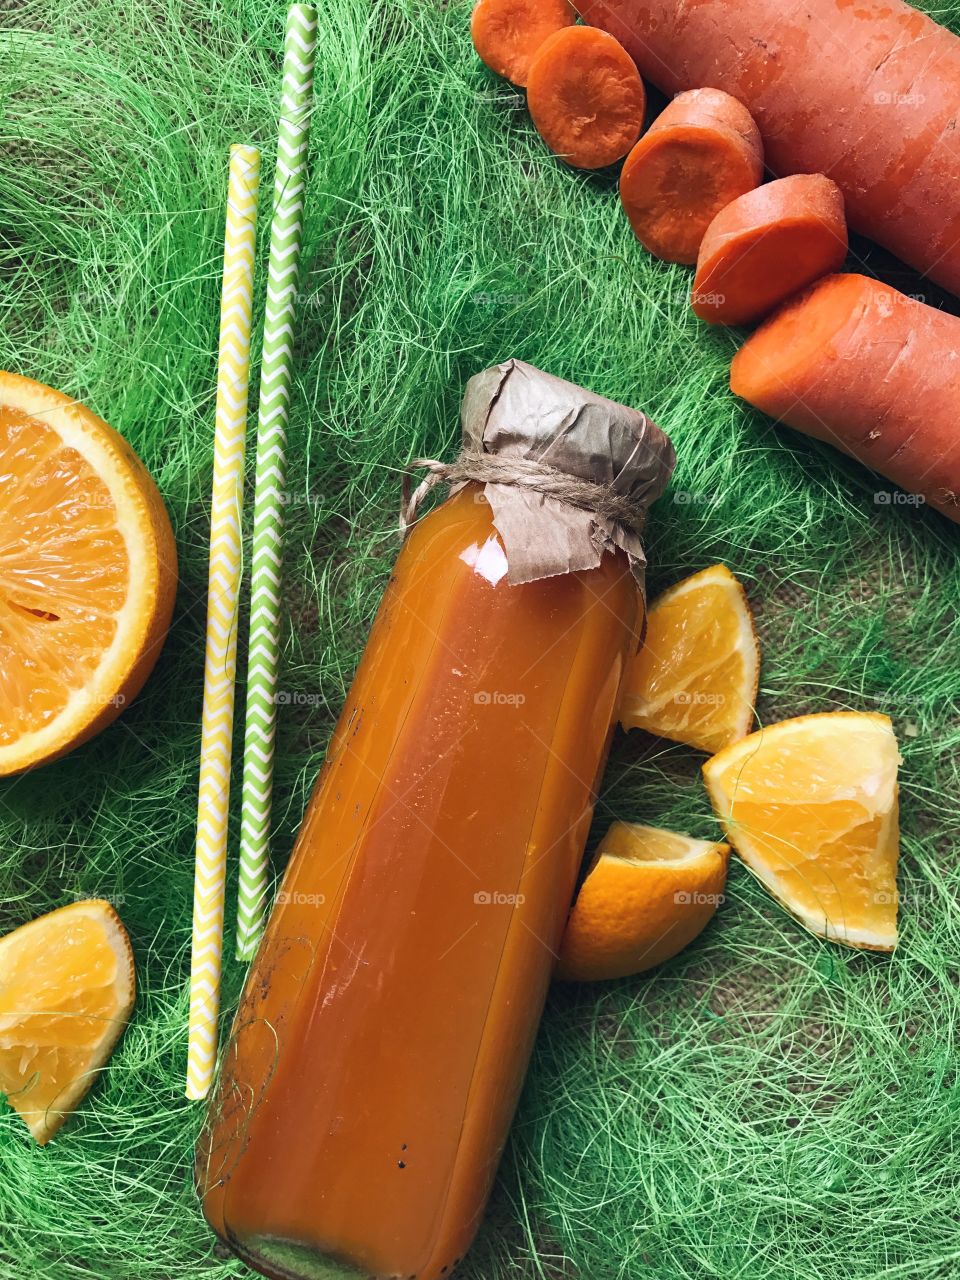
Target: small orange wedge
67	987
695	678
88	573
647	895
811	805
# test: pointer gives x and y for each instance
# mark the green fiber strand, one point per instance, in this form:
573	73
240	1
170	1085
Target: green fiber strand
765	1107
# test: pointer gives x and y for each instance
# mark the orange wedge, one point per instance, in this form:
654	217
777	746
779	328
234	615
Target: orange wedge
695	678
811	806
647	895
88	573
67	987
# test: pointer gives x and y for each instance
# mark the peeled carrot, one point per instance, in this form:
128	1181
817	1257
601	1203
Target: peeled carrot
700	153
768	244
507	33
869	370
864	91
586	97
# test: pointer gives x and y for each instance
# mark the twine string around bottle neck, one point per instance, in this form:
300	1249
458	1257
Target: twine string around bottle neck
601	500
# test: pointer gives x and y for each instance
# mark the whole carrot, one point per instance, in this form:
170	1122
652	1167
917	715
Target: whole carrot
869	370
700	153
507	33
867	93
586	97
762	248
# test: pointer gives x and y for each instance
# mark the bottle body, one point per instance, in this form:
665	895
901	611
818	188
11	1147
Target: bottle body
387	1022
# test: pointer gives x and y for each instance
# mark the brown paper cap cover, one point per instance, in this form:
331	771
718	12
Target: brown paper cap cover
515	410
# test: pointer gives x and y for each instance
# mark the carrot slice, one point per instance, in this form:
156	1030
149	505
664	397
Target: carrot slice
586	97
768	244
507	33
872	372
700	153
865	91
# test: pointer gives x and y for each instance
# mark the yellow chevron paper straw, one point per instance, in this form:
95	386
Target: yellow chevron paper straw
223	586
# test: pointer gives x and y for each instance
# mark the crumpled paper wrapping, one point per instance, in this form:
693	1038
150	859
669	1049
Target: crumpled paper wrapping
515	410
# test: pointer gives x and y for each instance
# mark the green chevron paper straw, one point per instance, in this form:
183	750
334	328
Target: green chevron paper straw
282	276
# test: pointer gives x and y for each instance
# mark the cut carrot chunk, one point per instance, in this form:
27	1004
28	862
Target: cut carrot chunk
507	33
869	370
767	245
586	97
866	92
701	153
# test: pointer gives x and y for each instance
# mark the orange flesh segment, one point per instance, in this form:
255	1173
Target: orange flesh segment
811	805
64	998
840	878
63	573
695	678
633	842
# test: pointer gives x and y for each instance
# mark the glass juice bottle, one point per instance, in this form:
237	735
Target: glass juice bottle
388	1019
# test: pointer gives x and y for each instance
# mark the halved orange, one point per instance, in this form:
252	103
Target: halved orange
67	987
88	573
695	678
648	893
811	805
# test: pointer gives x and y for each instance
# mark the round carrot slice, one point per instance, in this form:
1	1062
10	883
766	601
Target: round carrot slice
767	245
702	152
586	97
507	33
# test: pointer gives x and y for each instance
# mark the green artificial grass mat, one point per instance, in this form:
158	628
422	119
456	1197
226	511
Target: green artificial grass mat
766	1106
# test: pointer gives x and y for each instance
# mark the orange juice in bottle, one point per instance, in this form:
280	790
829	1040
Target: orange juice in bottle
387	1022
